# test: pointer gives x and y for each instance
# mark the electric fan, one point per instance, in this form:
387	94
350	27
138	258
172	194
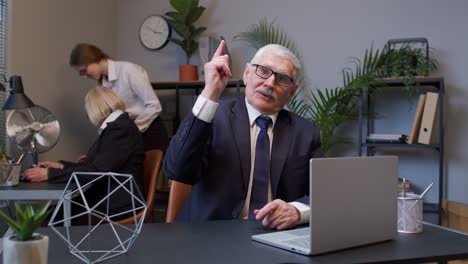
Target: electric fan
34	130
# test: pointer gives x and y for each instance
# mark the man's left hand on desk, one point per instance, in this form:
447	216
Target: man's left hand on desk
278	214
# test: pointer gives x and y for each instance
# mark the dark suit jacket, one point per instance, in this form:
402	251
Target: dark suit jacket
215	158
119	149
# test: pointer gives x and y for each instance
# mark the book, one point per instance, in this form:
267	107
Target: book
414	134
387	138
386	141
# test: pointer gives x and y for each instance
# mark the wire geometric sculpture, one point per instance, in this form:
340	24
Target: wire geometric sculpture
120	237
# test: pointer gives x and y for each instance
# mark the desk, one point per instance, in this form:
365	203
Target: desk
190	85
229	242
36	191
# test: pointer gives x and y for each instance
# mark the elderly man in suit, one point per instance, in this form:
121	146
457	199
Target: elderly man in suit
247	158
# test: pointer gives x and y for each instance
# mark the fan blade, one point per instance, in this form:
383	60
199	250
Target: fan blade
24	138
47	136
18	129
17	122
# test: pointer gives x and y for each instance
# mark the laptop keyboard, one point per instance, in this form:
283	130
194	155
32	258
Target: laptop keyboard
303	241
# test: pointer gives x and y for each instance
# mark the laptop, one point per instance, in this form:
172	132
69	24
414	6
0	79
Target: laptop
353	202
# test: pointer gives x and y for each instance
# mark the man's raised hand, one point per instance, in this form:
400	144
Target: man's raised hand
217	74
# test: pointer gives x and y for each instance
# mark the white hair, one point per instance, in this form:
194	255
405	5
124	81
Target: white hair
280	51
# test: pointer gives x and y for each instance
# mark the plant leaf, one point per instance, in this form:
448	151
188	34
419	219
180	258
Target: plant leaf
12	223
28	220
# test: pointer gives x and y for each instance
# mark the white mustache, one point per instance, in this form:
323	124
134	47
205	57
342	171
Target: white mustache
265	91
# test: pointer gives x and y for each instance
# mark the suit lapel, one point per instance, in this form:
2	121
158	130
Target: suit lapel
241	131
280	148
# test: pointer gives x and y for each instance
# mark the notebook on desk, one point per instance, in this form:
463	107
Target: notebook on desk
353	202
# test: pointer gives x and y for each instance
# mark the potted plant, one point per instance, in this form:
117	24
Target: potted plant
182	21
25	246
407	62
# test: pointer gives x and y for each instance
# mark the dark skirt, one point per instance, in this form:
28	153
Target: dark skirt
155	137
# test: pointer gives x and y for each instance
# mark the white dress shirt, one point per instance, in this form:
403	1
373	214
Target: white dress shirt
131	82
110	118
205	109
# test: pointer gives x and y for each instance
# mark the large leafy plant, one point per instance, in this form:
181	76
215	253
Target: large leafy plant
330	108
182	21
27	220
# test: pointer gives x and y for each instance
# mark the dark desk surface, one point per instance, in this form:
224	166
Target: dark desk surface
229	242
32	191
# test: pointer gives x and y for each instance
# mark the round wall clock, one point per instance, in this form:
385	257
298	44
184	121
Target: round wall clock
155	32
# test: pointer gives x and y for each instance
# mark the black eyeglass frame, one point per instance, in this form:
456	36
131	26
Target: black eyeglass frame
282	76
83	71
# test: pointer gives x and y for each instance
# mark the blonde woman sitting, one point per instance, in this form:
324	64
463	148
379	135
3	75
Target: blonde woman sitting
118	148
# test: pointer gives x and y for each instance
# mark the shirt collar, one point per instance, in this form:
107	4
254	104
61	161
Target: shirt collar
110	118
254	113
111	71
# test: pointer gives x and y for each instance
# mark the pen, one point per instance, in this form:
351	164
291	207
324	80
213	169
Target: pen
4	159
20	159
403	190
425	191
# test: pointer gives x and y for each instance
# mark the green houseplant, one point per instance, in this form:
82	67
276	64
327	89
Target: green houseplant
25	246
182	20
407	62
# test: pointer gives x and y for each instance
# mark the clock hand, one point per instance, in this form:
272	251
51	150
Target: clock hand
151	29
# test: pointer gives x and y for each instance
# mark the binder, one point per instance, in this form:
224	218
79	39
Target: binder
429	131
417	120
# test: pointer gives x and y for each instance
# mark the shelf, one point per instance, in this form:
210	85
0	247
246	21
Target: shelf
171	85
399	145
424	80
191	85
366	105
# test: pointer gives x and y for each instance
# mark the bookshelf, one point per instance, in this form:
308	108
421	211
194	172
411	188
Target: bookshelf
366	104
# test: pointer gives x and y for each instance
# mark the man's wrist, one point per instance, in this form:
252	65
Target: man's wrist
210	93
204	109
304	211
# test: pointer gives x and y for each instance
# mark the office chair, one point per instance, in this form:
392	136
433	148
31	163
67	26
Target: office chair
151	166
178	194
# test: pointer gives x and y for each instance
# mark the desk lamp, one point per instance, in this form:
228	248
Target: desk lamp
17	98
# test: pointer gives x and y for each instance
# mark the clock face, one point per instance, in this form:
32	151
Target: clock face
155	32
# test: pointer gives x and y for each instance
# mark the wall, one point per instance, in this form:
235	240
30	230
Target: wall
328	32
42	34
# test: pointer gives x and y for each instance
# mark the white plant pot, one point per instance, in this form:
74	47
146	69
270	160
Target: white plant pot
34	251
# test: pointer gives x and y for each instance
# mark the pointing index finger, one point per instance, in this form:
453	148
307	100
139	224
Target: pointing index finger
219	50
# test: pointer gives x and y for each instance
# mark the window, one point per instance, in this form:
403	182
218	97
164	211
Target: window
3	63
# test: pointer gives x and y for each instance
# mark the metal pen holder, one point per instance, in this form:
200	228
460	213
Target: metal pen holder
410	214
10	174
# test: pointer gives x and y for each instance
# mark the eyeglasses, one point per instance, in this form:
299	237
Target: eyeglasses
265	73
83	71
